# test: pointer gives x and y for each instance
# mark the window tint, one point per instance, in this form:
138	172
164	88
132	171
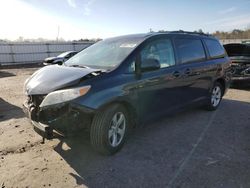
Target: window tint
190	50
161	50
214	48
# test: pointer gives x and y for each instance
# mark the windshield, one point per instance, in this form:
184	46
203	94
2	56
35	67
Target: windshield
105	54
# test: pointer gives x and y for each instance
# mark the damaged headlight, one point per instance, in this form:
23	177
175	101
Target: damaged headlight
64	95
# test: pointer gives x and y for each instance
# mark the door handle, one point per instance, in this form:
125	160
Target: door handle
176	74
187	71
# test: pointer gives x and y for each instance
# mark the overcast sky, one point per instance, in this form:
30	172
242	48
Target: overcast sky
105	18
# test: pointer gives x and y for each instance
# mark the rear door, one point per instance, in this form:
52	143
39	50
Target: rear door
194	68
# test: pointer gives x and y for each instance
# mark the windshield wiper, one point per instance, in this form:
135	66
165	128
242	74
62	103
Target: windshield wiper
98	70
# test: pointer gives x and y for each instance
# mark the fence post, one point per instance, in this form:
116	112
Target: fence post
12	53
47	47
74	46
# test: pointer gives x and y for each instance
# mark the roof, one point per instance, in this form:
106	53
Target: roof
143	36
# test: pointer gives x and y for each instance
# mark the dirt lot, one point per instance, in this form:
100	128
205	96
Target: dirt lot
193	149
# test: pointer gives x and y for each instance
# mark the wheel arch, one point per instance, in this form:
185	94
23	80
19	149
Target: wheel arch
223	84
131	109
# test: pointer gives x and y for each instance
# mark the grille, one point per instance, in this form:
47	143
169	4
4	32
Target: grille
34	101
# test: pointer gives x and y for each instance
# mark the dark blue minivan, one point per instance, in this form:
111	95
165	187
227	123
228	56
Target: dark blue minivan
120	82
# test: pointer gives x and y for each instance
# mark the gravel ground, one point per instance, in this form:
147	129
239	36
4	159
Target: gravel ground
193	148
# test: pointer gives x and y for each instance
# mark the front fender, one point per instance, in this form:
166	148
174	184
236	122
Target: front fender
97	100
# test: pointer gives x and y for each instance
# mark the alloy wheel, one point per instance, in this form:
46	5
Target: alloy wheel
216	96
117	129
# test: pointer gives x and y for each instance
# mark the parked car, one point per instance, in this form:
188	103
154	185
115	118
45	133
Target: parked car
245	42
60	58
239	54
121	82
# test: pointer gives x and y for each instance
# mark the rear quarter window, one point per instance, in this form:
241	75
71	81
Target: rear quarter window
215	49
189	50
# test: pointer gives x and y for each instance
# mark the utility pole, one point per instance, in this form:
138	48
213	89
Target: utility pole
58	32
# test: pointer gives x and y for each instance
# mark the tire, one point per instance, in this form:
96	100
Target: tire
215	97
109	129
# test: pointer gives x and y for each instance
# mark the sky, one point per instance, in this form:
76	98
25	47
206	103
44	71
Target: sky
76	19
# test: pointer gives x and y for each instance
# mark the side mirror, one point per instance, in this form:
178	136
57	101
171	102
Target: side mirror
150	65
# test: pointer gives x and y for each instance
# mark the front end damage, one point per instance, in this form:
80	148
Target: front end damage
239	54
240	70
56	120
50	94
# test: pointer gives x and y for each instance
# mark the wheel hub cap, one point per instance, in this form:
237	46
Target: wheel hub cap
117	129
216	96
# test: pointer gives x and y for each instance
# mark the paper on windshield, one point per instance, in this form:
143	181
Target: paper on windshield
128	45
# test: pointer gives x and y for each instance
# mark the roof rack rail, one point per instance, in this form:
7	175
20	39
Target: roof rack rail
189	32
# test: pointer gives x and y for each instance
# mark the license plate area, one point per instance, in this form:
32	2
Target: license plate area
43	130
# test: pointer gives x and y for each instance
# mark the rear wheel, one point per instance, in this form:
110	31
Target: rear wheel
215	97
109	129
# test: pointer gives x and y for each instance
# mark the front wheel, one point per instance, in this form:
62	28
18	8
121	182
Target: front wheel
109	129
215	97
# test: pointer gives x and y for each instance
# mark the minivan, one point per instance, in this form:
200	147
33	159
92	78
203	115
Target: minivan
118	83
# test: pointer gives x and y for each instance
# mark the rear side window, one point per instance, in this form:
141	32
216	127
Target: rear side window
190	50
215	49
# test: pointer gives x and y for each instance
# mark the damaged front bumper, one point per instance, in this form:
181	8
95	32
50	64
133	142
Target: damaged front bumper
44	130
240	72
58	120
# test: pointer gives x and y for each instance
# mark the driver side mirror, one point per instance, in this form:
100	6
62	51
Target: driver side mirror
150	65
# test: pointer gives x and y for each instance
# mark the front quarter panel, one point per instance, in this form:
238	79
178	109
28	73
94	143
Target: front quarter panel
106	90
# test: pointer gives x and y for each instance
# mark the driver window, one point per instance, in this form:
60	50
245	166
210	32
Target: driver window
160	50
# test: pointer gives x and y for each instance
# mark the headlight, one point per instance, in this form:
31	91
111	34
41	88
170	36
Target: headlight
64	95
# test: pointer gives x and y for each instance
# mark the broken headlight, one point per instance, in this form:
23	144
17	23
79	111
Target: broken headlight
64	95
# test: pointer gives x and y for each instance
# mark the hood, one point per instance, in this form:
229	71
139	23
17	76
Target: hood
237	50
53	77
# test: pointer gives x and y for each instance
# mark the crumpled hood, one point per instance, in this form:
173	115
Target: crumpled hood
53	77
